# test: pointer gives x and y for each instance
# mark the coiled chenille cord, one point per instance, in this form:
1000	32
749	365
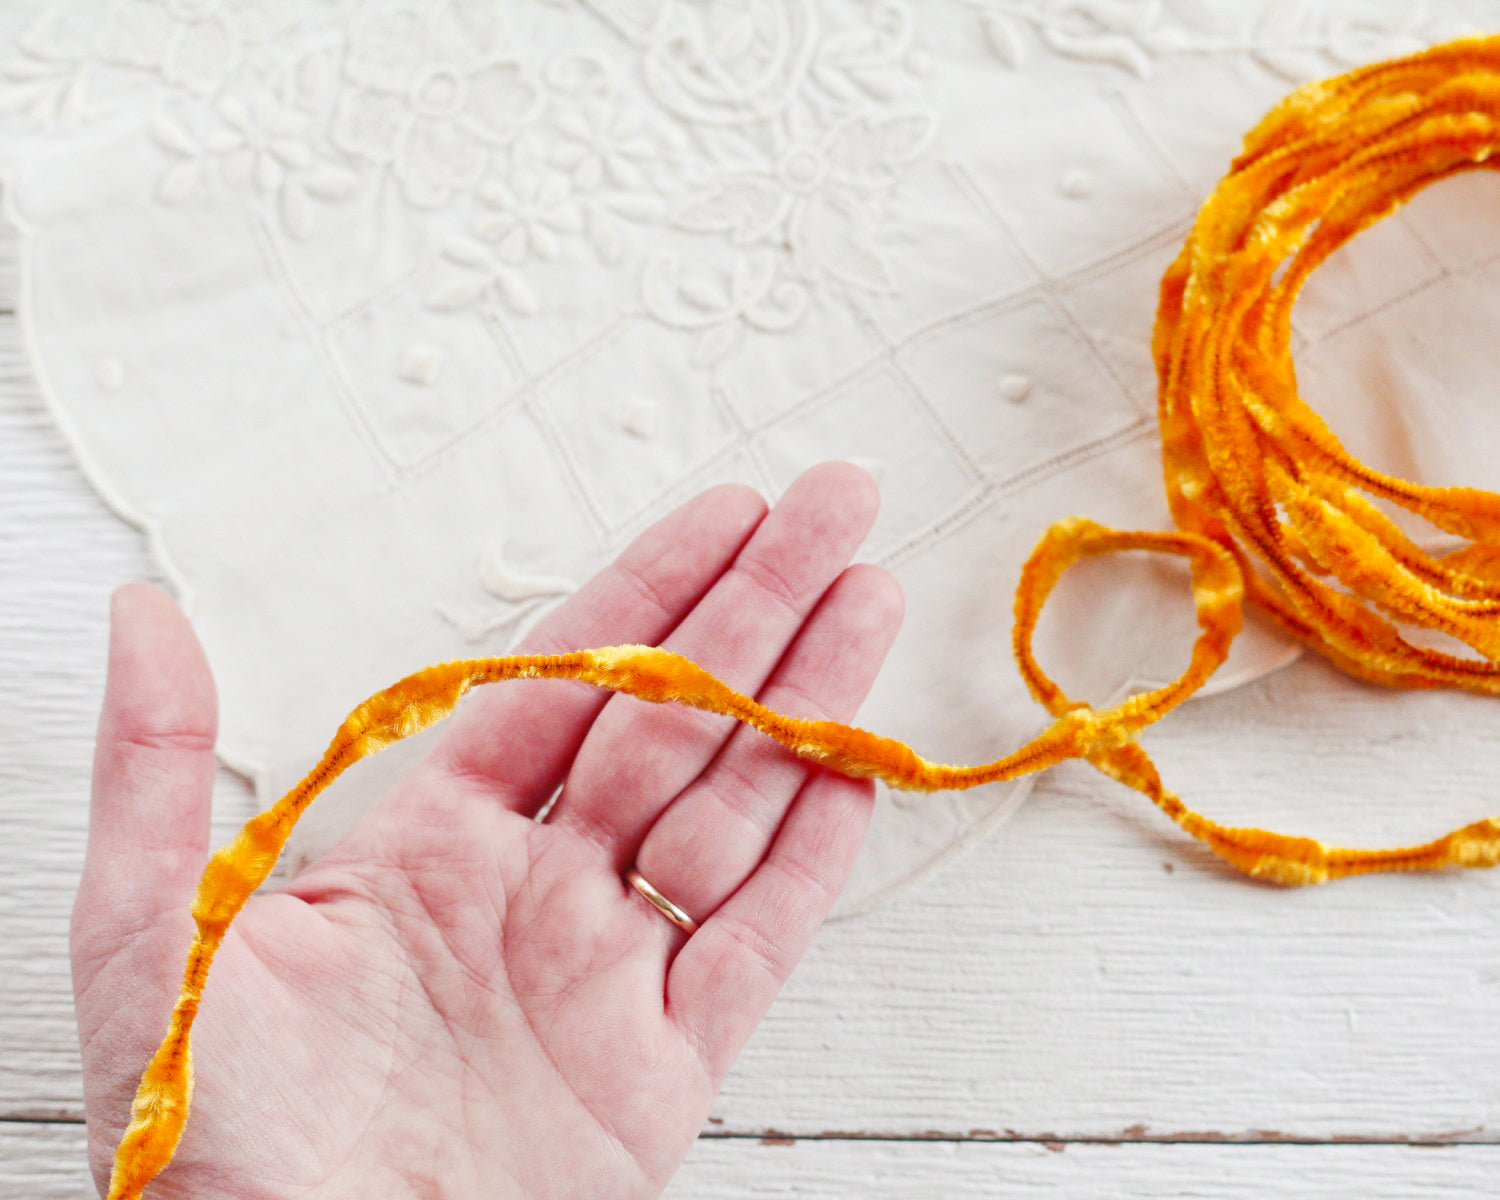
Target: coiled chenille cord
1268	503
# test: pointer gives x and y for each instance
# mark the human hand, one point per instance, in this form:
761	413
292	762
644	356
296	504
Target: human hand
459	1001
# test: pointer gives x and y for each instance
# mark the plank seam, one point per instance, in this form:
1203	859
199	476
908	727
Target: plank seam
1430	1141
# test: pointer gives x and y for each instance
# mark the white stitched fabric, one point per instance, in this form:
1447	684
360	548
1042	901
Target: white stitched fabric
392	322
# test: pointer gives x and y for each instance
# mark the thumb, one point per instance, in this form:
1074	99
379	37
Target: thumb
153	769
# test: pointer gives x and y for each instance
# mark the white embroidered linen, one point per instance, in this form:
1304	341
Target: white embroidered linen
392	322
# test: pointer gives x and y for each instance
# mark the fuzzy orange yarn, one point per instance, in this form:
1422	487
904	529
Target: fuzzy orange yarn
1269	505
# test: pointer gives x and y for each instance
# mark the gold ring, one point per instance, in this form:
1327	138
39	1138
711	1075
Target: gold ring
661	903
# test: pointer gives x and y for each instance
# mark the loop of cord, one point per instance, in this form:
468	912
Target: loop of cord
1269	506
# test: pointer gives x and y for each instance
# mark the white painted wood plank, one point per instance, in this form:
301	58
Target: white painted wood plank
57	549
9	267
837	1170
61	553
46	1162
1093	973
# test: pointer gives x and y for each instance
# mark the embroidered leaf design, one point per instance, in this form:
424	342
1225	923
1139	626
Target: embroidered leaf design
30	99
543	241
835	79
39	103
457	291
699	291
28	70
307	82
50	35
764	302
291	152
834	236
659	288
202	54
580	71
473	622
507	582
1102	30
328	182
588	171
781	307
1283	38
517	292
1004	39
1117	16
635	19
866	148
512	239
746	207
45	93
877	83
467	253
750	279
179	180
169	135
713	345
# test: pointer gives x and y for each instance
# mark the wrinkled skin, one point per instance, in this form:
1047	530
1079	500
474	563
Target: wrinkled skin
460	1000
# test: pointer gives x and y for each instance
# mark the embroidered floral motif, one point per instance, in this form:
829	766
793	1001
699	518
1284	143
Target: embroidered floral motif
826	123
46	84
196	44
787	133
1293	38
511	596
531	212
1299	42
1125	33
531	215
576	188
600	143
429	95
260	144
483	274
718	310
814	202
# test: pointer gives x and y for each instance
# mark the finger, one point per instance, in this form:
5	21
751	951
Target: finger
728	973
637	757
709	840
153	766
518	740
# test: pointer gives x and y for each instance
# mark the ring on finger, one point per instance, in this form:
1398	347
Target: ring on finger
671	911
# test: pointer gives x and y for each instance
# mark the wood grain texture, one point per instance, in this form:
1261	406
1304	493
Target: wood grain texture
61	554
45	1162
1088	974
9	268
837	1170
55	547
1091	973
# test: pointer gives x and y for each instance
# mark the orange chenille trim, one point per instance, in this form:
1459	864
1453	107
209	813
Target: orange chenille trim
1269	504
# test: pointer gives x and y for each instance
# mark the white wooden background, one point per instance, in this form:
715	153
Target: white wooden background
1085	1006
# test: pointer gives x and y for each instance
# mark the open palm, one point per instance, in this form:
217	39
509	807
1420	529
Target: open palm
461	1000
